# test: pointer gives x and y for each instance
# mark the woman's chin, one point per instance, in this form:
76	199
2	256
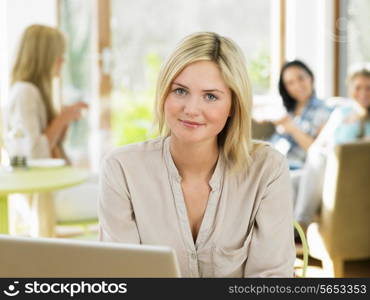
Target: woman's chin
184	138
189	138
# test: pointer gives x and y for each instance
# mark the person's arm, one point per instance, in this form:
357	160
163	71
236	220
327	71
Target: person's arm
328	131
57	128
303	139
58	152
116	216
272	250
25	114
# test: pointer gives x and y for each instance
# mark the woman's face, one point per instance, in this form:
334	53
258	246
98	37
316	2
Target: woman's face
198	104
298	83
360	90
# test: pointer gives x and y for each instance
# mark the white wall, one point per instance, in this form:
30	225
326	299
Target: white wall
22	13
15	16
309	29
3	51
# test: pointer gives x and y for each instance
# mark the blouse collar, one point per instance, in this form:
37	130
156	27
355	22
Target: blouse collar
214	182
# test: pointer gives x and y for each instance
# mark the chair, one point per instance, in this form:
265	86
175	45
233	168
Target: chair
262	131
76	208
64	229
305	247
343	230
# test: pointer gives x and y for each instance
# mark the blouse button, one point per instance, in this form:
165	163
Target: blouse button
194	255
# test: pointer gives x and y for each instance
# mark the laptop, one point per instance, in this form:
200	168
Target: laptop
25	257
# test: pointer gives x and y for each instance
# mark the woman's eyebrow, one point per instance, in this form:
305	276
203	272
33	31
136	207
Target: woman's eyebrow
210	90
213	90
179	84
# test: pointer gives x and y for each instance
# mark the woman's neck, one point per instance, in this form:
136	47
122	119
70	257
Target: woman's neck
194	160
300	106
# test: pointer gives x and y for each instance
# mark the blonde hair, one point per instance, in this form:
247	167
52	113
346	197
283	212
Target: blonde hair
235	139
39	49
364	72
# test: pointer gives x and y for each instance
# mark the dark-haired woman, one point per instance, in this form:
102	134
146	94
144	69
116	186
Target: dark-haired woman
306	114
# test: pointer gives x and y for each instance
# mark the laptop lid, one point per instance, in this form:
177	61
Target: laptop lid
47	257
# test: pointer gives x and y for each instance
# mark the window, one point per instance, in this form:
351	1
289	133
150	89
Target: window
144	32
358	31
76	23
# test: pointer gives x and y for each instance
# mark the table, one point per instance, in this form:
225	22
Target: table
34	181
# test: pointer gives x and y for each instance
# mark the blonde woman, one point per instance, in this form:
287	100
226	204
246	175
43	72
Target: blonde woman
30	109
204	188
39	59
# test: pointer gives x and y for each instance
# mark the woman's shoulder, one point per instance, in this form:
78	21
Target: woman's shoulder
137	152
24	90
25	86
265	164
346	108
319	104
264	154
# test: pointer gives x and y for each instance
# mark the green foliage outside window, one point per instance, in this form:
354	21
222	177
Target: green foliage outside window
259	72
132	111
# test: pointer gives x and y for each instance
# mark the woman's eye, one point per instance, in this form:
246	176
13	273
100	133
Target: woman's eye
211	97
302	78
180	91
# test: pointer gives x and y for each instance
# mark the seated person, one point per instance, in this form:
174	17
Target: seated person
204	188
306	114
347	123
30	109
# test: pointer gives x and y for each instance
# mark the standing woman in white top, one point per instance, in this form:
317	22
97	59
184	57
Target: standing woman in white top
30	108
204	188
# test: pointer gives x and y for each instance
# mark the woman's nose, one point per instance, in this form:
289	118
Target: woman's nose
192	106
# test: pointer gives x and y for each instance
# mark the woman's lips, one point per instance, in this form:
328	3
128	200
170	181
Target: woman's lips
190	124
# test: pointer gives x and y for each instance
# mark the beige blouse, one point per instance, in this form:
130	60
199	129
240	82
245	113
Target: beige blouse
247	229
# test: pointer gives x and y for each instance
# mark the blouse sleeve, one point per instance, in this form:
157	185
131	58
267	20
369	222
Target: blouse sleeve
26	115
272	250
116	216
326	136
